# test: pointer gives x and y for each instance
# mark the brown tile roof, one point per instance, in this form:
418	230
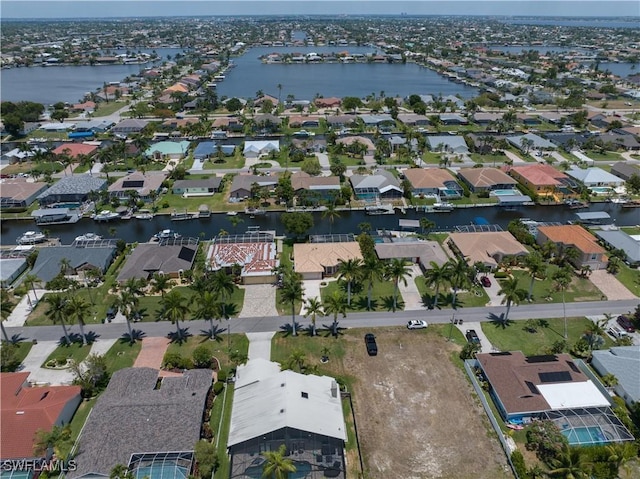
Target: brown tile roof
481	247
574	235
19	189
315	257
25	410
301	180
486	177
428	177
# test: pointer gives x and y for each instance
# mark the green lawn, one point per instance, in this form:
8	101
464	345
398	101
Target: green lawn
221	421
122	355
236	161
21	349
513	337
97	298
75	351
218	349
216	202
344	159
631	230
381	297
79	418
630	278
489	160
466	299
603	155
580	289
106	109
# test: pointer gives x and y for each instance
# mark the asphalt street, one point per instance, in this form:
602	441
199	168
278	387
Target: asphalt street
353	320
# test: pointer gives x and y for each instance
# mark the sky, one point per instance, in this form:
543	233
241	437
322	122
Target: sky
144	8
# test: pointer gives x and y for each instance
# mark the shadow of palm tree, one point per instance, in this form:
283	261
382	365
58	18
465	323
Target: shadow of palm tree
214	335
136	335
73	338
333	329
387	302
498	320
180	337
16	338
231	310
91	337
288	328
361	303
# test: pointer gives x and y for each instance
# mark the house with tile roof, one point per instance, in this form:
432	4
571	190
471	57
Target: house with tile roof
486	247
486	179
433	182
142	183
255	254
348	141
74	150
19	193
575	236
25	410
544	181
72	189
319	260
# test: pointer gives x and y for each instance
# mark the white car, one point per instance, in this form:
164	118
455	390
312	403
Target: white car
416	324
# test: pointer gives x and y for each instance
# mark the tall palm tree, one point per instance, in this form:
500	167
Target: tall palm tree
536	267
349	271
426	224
291	292
52	442
372	270
30	281
513	294
567	256
223	286
160	283
314	308
335	304
331	213
570	463
6	306
209	308
458	276
174	308
562	279
436	276
78	308
595	332
58	311
128	303
276	465
397	271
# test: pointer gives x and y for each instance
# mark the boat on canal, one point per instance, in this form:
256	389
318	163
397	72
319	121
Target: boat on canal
106	215
165	235
31	237
88	237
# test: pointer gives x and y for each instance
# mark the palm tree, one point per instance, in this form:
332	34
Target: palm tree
570	463
128	303
426	224
335	304
331	213
397	271
314	308
291	292
174	308
52	442
77	308
161	283
65	265
512	295
223	286
30	281
6	306
562	279
436	276
567	256
613	266
458	276
595	332
276	465
297	359
209	308
536	268
58	311
349	271
548	249
372	270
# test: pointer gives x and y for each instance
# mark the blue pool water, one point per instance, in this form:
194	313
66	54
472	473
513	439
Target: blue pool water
585	435
600	189
505	192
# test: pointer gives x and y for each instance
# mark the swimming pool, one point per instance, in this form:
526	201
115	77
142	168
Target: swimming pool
601	190
302	469
511	192
585	435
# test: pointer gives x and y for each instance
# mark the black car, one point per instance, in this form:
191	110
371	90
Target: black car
472	336
626	324
370	342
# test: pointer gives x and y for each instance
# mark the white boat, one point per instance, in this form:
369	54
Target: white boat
89	237
254	211
106	215
443	206
379	210
143	215
32	237
166	234
619	201
232	213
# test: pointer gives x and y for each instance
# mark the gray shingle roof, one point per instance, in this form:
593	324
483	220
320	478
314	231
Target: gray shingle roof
149	258
75	185
132	416
47	265
379	180
621	240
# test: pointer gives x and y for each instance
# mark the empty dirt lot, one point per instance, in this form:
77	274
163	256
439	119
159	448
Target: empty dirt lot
416	415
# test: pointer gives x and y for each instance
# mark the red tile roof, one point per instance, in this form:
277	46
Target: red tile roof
75	149
539	175
24	410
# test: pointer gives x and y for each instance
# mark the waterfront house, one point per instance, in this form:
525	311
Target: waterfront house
315	189
204	187
243	183
623	142
484	118
341	121
623	362
19	193
255	254
377	120
11	269
368	148
594	176
575	236
487	247
625	170
433	182
544	180
377	186
74	150
170	258
16	155
79	259
205	149
304	121
621	241
130	125
72	189
27	409
413	119
331	102
448	143
85	107
453	119
256	149
319	260
267	122
173	150
142	184
486	179
230	123
420	252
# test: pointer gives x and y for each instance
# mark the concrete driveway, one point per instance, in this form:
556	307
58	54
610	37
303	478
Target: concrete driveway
485	345
492	291
323	159
410	294
259	300
260	345
609	285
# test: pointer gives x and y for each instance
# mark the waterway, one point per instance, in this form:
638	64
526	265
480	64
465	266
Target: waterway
577	22
141	230
48	85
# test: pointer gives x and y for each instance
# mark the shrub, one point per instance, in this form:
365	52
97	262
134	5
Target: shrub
202	357
518	463
218	388
546	439
176	361
222	375
8	358
500	275
206	457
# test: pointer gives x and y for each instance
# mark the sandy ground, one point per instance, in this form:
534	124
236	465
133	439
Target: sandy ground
416	414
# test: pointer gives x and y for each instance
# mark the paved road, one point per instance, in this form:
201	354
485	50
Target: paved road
355	320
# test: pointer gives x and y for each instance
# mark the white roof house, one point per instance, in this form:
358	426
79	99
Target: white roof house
595	176
267	399
452	143
255	149
572	395
624	363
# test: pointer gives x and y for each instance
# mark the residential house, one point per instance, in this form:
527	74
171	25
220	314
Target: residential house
72	189
420	252
144	184
331	102
625	170
25	410
206	149
75	150
378	186
575	236
594	176
348	141
243	183
145	422
315	189
484	118
544	180
448	143
302	411
171	258
79	260
623	362
230	123
204	187
304	121
413	119
377	120
433	182
255	254
18	193
256	149
267	122
130	125
85	107
453	119
619	240
172	150
528	120
340	121
11	269
486	179
624	142
536	142
487	247
319	260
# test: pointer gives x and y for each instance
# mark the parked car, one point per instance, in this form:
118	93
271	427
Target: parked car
616	333
472	336
370	342
626	324
485	281
416	324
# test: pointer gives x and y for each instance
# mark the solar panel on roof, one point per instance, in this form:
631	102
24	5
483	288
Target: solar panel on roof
542	359
532	387
186	254
555	377
133	183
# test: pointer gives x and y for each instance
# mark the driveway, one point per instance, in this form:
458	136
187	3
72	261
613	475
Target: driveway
22	310
323	159
259	300
485	345
492	291
312	290
152	353
513	157
410	294
198	164
609	285
260	345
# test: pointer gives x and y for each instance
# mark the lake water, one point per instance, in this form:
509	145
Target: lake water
537	48
577	22
304	81
48	85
